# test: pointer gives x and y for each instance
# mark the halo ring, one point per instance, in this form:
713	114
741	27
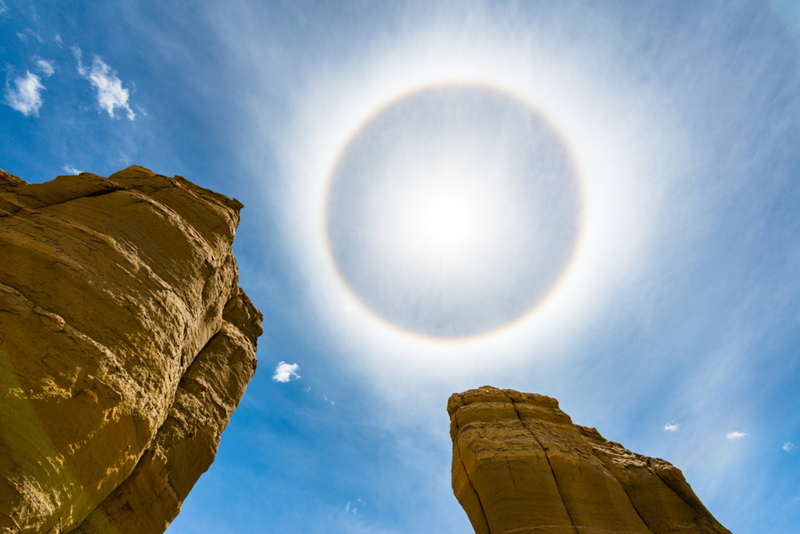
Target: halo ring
396	97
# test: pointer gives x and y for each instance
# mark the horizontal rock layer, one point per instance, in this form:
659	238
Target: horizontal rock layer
125	346
521	466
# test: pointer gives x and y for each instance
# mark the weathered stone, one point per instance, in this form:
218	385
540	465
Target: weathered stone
520	465
125	346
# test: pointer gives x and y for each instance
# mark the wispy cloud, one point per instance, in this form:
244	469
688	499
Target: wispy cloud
110	93
789	447
69	169
736	435
3	7
348	509
58	40
672	427
27	34
284	372
25	96
45	66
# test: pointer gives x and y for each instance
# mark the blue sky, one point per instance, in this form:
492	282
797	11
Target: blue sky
674	328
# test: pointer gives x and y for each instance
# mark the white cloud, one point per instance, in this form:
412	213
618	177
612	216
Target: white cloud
28	34
672	427
45	66
110	93
69	169
58	40
736	435
3	7
789	447
284	372
25	97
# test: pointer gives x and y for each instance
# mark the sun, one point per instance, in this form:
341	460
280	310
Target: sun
439	222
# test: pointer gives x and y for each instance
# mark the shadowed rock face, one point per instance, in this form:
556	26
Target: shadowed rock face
125	346
521	466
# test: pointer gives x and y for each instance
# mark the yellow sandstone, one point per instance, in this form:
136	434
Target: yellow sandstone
520	466
125	346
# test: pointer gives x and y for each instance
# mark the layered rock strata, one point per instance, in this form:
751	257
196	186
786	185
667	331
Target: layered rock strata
125	346
521	466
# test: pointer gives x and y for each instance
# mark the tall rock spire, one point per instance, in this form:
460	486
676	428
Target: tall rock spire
521	466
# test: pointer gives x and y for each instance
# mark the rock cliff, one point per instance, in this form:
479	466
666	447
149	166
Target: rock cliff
125	346
520	465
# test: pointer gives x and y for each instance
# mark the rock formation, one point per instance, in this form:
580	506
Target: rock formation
125	346
521	466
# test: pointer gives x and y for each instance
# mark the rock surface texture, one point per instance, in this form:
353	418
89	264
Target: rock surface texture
521	466
125	346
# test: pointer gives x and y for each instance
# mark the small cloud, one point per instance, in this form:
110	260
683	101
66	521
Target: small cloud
25	97
58	40
347	509
736	435
45	66
3	7
110	93
124	159
672	427
284	372
24	36
307	389
789	447
69	169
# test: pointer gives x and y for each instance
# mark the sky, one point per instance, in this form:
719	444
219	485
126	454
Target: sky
596	201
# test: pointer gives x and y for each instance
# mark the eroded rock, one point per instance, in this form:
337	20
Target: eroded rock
125	346
521	466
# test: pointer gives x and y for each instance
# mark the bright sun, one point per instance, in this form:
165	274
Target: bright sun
439	221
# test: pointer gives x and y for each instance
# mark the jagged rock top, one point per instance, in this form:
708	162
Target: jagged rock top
520	465
125	346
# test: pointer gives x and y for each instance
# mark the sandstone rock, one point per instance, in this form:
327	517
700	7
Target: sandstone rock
125	346
520	465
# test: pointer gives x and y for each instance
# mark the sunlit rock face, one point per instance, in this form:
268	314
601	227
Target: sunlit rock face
521	466
125	346
453	211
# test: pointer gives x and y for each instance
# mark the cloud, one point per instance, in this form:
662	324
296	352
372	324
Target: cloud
58	40
672	427
28	34
110	93
789	447
69	169
3	7
736	435
25	97
45	66
284	372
